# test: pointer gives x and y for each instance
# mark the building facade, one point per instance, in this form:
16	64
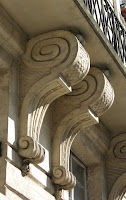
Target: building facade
62	100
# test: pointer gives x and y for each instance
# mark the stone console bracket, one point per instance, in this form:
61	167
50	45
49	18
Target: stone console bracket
32	151
81	108
63	62
84	93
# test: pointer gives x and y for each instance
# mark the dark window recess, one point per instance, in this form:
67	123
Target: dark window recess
79	171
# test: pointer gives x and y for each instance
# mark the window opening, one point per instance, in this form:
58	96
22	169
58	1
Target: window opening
79	192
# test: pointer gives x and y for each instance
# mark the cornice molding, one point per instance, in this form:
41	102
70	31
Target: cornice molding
12	39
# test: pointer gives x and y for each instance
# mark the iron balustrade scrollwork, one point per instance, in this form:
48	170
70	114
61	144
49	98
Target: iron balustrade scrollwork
110	25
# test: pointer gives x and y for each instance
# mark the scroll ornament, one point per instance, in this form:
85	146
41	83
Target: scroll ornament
117	159
64	178
31	149
89	100
60	51
117	151
63	62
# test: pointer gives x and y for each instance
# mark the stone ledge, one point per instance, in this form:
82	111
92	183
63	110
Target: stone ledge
28	187
35	174
12	37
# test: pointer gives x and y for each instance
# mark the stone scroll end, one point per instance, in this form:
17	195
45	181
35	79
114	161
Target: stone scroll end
63	177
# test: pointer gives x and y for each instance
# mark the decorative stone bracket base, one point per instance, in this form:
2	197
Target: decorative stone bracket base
63	62
80	108
116	161
64	178
32	151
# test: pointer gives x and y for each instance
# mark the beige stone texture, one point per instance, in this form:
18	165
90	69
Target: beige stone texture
53	100
92	144
67	63
36	173
18	184
13	107
73	15
12	38
97	182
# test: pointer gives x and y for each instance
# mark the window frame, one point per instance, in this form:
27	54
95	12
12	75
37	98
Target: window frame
80	163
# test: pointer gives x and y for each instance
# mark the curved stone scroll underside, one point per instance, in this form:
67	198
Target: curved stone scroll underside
68	63
116	162
117	151
118	189
80	108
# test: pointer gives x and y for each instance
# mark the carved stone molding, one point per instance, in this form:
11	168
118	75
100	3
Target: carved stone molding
80	108
63	177
117	151
118	189
68	63
59	51
12	38
31	149
116	165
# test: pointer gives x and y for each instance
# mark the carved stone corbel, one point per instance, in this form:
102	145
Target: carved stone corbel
80	108
63	62
116	161
117	152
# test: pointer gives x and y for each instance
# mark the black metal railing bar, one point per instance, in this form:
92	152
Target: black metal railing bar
108	22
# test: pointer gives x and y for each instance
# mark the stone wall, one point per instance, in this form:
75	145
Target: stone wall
49	97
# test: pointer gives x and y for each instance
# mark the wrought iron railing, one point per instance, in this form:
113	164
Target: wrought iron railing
108	22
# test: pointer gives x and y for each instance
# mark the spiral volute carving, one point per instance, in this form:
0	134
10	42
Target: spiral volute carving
54	50
63	177
106	99
94	91
120	150
85	89
31	149
118	147
61	50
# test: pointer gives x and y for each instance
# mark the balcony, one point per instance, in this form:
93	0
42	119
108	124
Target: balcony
109	24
